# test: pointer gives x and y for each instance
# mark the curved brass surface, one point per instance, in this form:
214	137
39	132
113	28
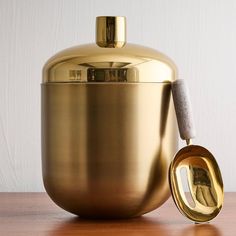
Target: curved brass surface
204	181
108	126
91	63
106	147
111	60
111	31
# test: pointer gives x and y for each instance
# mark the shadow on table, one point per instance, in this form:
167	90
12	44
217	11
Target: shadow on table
201	230
136	226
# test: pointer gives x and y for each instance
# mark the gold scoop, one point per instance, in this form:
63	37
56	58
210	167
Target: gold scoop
203	173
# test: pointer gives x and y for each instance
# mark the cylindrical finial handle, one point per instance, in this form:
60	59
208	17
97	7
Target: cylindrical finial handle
111	31
183	109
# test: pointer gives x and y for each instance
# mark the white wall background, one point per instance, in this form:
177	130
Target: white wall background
200	36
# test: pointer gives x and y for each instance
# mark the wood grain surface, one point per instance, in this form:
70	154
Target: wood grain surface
35	214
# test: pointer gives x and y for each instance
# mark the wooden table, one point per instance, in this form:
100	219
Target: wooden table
35	214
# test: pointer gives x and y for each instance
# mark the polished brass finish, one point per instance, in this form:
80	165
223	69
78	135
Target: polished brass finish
108	126
111	31
204	181
189	141
90	63
203	174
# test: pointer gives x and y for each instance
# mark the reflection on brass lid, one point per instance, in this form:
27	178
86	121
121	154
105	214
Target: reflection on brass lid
120	60
111	31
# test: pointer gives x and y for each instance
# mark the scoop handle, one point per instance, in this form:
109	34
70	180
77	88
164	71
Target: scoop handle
183	109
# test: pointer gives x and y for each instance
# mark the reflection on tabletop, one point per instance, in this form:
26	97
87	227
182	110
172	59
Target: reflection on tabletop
137	226
206	229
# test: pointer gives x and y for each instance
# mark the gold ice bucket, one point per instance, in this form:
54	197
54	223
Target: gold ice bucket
108	126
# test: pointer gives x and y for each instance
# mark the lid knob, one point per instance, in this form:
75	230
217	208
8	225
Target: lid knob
111	31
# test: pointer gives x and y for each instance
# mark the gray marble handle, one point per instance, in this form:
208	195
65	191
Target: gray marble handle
183	109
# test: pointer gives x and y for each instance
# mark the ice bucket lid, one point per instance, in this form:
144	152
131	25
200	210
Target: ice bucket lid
111	59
